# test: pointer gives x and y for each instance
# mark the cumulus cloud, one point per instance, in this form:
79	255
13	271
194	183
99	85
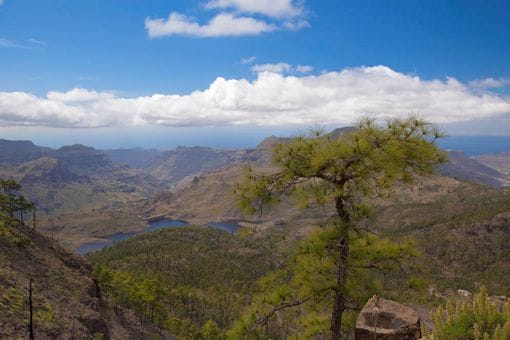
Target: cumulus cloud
272	8
275	68
78	95
304	69
236	18
76	108
295	25
489	83
272	99
222	25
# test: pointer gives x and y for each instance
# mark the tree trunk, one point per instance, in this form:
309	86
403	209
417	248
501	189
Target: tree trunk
31	310
34	218
339	304
342	248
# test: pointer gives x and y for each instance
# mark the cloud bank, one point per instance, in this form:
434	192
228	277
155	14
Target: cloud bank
489	83
272	99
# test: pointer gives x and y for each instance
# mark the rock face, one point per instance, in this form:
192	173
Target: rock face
387	320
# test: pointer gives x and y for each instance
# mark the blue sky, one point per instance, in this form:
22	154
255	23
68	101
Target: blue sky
113	72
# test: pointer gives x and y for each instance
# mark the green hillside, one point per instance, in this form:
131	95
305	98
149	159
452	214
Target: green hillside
184	278
461	234
66	301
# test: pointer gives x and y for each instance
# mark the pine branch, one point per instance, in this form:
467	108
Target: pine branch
282	305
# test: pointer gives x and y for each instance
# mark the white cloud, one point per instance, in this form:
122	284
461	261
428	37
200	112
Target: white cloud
281	68
304	69
489	83
272	8
1	2
296	25
222	25
275	68
271	99
248	60
78	95
236	19
57	109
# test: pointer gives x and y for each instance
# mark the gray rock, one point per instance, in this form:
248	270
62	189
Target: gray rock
387	320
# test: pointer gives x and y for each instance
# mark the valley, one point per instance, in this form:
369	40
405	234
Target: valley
130	211
84	195
254	169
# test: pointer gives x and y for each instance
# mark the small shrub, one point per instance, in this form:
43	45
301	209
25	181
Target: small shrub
473	320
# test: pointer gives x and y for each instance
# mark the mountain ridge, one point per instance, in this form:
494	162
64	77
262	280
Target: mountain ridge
78	187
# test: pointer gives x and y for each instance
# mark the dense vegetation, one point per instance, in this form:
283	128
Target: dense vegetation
14	204
64	300
344	171
191	285
305	284
480	318
188	281
463	235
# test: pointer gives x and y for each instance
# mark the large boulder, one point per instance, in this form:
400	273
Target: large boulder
387	320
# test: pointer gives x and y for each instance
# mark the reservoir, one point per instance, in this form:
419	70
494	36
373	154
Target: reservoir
229	227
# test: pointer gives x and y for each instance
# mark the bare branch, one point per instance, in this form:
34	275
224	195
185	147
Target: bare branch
283	305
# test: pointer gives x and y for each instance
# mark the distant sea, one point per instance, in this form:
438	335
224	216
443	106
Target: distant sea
227	137
476	145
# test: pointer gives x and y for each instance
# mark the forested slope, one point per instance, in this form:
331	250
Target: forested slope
40	278
66	299
186	279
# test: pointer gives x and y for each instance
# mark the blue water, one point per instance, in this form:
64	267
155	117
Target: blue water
229	227
89	247
112	239
476	145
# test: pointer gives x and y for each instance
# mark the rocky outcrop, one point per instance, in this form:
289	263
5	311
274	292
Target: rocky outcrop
21	151
387	320
46	170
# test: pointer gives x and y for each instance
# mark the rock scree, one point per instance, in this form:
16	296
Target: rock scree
387	320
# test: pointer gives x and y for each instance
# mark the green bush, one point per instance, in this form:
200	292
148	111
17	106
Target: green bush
477	319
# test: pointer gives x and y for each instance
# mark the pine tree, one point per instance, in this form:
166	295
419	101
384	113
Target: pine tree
343	171
9	188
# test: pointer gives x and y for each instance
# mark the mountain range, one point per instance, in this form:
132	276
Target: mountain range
459	218
84	194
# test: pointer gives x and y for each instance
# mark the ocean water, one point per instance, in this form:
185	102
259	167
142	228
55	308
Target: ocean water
476	145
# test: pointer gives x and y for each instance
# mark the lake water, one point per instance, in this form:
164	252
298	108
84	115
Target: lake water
229	227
